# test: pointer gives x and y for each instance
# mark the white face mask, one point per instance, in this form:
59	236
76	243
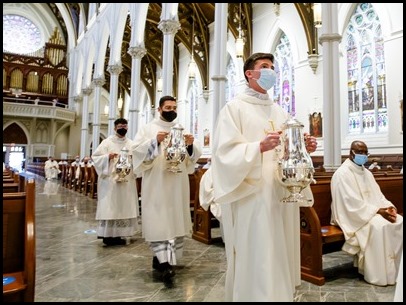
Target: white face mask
267	79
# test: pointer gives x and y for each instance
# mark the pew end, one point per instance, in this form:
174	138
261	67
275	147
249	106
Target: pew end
19	244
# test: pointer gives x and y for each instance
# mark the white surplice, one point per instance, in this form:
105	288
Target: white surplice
165	195
376	242
262	234
115	200
51	169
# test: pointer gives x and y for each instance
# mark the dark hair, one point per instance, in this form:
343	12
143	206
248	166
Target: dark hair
166	98
120	121
250	62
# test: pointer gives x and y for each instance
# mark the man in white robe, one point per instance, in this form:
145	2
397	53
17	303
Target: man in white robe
165	202
372	228
117	202
262	234
51	168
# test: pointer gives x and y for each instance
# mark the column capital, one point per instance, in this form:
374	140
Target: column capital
99	82
87	91
115	69
77	99
330	37
137	52
169	26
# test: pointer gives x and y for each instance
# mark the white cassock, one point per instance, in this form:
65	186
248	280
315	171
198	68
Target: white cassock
51	169
165	195
115	200
376	242
262	234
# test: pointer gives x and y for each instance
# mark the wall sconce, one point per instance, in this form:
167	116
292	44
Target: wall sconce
313	58
239	42
106	109
192	64
317	15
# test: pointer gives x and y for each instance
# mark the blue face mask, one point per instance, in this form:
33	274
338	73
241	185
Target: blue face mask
360	159
267	79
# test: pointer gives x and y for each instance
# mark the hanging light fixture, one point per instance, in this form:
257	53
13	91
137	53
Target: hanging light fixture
239	42
192	64
317	15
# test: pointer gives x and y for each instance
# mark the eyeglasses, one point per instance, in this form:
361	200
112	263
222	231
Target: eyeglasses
360	152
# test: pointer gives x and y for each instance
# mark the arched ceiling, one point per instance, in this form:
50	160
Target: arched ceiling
199	14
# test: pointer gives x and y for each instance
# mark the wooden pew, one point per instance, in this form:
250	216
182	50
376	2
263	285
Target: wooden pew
93	183
19	244
203	221
318	237
9	187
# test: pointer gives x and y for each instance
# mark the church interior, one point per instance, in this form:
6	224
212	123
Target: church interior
71	69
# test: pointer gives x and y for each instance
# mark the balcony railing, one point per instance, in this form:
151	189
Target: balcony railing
40	109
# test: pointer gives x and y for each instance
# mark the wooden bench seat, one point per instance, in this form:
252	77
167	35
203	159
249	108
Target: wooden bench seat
11	187
19	244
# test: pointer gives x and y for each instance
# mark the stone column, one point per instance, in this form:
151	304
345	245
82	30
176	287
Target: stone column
330	40
98	83
169	29
220	57
114	70
137	53
84	133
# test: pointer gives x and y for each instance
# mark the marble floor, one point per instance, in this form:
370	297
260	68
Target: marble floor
73	265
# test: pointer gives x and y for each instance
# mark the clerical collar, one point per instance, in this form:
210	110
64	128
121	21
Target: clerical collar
251	92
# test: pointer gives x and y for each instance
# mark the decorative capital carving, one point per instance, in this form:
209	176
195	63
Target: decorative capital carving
99	82
137	52
169	26
115	69
87	91
277	8
77	99
313	61
330	37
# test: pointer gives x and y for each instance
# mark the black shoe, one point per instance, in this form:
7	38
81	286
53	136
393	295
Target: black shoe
155	263
113	241
167	275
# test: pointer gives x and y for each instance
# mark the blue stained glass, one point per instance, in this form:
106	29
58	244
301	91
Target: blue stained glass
20	35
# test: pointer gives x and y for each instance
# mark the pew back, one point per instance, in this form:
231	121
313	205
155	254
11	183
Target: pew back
19	244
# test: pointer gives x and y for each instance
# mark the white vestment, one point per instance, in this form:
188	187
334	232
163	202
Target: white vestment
165	198
399	283
262	234
51	169
376	242
115	200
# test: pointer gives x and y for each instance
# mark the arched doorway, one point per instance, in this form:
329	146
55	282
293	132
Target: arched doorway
14	146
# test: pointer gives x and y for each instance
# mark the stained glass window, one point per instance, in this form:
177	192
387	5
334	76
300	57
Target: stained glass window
20	35
367	111
284	92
